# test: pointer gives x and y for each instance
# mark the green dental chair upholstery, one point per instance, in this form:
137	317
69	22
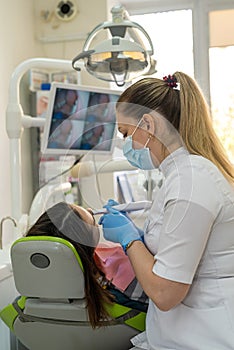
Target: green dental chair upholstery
50	313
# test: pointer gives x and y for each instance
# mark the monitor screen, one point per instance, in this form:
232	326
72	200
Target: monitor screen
79	119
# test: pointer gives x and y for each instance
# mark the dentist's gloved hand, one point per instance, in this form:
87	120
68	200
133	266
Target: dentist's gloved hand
111	203
118	228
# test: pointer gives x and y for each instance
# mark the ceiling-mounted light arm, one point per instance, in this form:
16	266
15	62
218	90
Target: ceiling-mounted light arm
118	16
136	37
121	15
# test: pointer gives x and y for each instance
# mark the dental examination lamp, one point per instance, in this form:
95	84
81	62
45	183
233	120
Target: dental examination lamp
123	56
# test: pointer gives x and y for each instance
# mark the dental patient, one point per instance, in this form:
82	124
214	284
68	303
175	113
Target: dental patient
108	273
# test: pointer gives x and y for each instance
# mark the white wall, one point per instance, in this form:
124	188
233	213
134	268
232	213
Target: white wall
17	44
65	40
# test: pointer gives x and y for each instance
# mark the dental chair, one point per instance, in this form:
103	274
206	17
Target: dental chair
50	313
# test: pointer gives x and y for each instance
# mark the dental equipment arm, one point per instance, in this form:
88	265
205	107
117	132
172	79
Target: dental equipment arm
16	121
1	228
88	168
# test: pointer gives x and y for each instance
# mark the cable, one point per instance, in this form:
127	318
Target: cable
97	179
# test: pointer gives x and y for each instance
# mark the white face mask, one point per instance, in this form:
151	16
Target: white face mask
139	158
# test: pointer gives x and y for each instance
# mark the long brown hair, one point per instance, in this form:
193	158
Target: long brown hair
63	220
187	111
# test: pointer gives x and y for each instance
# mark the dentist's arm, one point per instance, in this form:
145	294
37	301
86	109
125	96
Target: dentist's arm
164	293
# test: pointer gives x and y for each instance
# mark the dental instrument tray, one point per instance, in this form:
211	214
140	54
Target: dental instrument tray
127	207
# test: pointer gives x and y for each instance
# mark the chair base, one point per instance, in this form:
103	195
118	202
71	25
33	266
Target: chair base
60	337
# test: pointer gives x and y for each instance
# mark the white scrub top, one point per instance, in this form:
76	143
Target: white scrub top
190	231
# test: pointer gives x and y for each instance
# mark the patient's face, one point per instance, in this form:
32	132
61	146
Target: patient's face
85	214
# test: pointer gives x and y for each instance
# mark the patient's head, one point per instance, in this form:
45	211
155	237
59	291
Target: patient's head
77	225
67	221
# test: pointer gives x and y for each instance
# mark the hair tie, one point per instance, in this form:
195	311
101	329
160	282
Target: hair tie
172	82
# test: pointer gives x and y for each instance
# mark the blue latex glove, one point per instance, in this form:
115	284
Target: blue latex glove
111	203
118	228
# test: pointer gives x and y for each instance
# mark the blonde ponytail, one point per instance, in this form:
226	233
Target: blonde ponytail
196	127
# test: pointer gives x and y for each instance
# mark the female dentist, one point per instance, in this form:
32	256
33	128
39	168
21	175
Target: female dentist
185	259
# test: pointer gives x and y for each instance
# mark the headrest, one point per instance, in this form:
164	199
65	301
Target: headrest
47	267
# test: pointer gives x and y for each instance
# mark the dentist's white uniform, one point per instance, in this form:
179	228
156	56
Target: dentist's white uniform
191	233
